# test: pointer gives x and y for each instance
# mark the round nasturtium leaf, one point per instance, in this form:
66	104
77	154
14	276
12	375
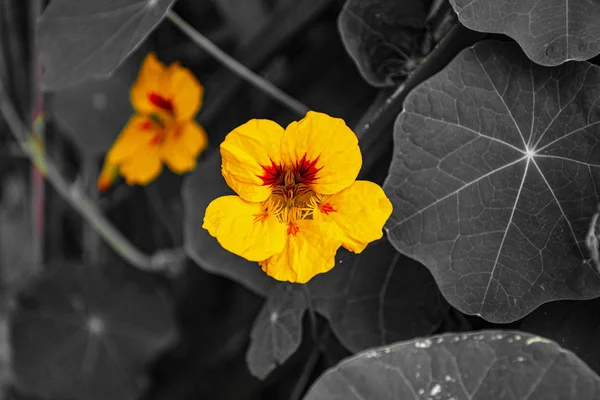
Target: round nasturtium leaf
550	32
201	187
277	330
79	39
486	365
495	177
89	332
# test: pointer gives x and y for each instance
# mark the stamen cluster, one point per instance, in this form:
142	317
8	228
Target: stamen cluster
291	198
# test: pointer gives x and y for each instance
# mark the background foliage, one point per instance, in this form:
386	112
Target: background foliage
478	118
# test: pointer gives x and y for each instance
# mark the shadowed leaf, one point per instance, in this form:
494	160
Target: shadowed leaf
573	324
201	187
243	17
550	32
88	332
378	297
474	366
90	39
495	178
93	113
277	331
382	36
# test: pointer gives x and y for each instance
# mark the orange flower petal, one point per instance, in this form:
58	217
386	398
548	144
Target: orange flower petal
185	90
151	79
360	211
182	147
108	175
243	228
133	138
171	92
327	147
246	152
310	250
143	167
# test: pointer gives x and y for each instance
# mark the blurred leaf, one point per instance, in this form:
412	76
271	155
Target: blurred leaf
550	33
384	37
244	17
277	331
93	113
201	187
494	177
475	366
17	253
17	51
6	376
79	40
88	332
378	297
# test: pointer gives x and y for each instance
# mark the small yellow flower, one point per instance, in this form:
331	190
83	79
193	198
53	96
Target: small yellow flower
166	100
299	200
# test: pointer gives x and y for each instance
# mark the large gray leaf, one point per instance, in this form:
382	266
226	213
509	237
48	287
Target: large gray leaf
80	39
378	297
489	365
201	187
495	178
277	331
550	31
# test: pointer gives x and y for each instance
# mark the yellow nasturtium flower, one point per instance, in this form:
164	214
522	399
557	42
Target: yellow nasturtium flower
299	200
166	100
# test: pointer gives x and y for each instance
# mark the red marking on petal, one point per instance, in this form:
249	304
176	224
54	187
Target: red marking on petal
161	102
146	125
307	171
177	132
273	175
327	208
293	229
156	139
262	217
108	175
104	184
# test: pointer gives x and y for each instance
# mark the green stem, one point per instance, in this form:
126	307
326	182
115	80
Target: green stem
236	67
74	196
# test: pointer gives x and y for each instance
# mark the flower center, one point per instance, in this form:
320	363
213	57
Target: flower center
292	197
161	102
155	128
160	120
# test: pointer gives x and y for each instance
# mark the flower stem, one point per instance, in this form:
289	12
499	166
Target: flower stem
74	196
311	314
309	367
160	209
237	68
